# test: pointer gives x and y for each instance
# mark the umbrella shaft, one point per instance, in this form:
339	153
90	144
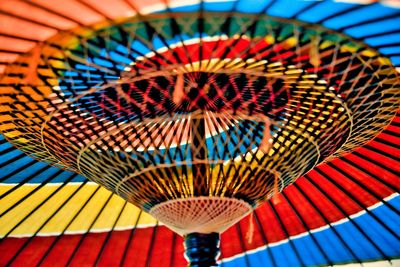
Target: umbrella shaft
202	250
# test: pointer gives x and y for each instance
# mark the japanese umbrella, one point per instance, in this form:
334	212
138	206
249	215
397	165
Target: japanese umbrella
238	133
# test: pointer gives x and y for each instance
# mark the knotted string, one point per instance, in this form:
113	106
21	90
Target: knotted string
275	198
250	230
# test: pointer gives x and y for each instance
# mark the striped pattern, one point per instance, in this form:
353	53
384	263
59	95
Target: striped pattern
317	213
344	211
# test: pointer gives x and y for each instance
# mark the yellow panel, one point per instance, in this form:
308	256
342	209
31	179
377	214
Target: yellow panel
130	215
69	212
64	216
9	220
14	197
34	222
110	213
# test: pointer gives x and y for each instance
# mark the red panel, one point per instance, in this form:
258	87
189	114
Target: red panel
9	247
216	49
389	137
391	164
253	238
115	248
326	207
391	150
160	253
163	246
339	197
369	182
62	250
89	250
397	118
272	228
230	244
380	172
179	259
350	189
139	247
289	219
310	216
33	252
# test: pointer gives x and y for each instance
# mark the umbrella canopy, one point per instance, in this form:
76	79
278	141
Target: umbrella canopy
345	210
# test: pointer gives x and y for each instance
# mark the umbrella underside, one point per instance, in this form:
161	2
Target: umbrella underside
193	105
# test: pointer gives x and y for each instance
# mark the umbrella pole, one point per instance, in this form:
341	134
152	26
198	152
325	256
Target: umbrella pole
202	250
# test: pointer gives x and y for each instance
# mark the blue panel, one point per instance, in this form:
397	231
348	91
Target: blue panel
282	254
395	60
122	49
286	255
287	8
357	242
252	6
43	169
219	6
374	28
119	58
70	73
262	259
383	40
17	164
310	254
37	167
390	50
360	15
391	220
338	253
5	145
140	47
25	173
395	202
157	43
246	6
87	75
66	175
335	248
12	154
103	62
84	67
379	235
239	262
40	177
323	10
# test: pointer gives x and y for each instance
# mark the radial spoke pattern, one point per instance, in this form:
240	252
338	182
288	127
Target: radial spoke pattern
125	92
284	97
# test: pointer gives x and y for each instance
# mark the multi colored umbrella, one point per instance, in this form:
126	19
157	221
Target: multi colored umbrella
199	113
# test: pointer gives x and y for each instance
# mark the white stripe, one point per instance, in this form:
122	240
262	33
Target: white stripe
80	232
48	184
312	231
393	263
182	3
129	227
